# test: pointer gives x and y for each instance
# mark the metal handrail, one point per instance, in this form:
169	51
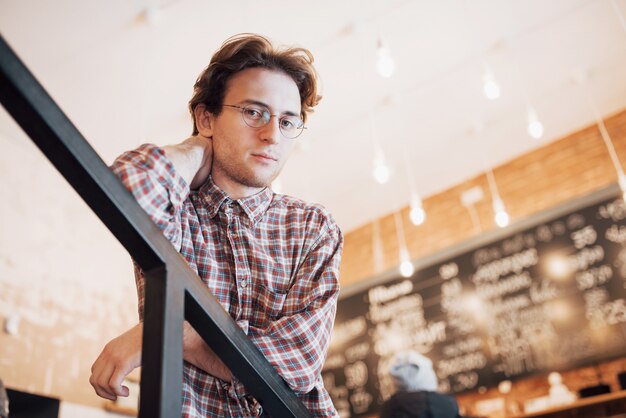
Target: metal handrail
173	292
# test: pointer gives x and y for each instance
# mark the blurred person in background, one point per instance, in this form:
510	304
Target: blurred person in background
416	390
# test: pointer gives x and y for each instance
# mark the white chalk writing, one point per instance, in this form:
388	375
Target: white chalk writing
583	237
462	346
586	257
594	277
616	233
380	313
615	210
381	294
504	266
505	286
464	363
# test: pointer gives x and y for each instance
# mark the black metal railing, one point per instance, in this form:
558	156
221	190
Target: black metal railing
173	291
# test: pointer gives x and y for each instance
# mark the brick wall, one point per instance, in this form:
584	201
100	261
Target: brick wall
573	166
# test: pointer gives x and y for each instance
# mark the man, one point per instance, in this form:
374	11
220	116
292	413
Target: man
416	390
271	260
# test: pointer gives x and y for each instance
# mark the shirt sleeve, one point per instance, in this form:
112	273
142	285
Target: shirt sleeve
158	188
297	343
160	191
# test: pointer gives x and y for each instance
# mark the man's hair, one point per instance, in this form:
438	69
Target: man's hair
253	51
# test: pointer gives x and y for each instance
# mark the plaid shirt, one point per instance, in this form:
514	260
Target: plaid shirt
272	261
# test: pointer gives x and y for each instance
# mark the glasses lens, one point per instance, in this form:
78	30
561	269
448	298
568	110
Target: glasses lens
291	126
255	116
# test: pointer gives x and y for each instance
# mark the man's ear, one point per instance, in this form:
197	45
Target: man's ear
204	121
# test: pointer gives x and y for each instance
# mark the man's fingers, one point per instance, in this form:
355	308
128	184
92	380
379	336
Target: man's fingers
100	381
103	394
115	383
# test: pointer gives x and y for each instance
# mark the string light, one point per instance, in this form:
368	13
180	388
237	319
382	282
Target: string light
491	88
417	213
385	63
535	127
406	266
622	185
381	170
501	216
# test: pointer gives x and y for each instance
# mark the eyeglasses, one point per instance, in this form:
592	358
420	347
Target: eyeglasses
256	116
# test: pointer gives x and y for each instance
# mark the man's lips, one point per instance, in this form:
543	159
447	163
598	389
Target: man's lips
265	157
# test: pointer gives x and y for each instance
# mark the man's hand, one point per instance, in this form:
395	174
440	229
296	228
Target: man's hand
118	358
192	158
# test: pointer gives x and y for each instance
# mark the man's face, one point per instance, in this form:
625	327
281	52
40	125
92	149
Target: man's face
246	156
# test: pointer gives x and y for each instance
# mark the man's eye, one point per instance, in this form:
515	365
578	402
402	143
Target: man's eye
287	124
253	113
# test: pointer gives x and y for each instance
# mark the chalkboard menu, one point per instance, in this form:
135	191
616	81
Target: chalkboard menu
546	294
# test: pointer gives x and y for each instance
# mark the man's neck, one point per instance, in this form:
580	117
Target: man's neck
234	189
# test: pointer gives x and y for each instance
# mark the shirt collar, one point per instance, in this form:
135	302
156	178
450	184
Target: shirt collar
253	206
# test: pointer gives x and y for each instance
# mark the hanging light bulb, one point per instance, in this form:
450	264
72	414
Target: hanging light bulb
381	173
385	64
491	89
502	218
406	266
417	213
381	170
535	127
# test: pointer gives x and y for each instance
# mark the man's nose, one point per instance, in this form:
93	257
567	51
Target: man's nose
271	132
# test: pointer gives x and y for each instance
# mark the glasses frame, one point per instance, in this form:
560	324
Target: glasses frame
243	108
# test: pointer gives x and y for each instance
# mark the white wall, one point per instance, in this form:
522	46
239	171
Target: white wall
62	274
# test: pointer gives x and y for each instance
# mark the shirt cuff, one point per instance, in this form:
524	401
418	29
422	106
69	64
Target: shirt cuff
236	389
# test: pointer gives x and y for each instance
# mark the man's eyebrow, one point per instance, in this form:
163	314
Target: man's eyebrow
258	103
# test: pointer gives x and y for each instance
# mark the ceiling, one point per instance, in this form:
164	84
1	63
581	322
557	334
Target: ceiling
123	71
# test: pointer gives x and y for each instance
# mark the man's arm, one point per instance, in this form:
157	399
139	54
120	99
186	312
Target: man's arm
159	179
122	355
297	343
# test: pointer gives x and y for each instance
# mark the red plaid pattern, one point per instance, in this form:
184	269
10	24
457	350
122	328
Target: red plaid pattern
271	260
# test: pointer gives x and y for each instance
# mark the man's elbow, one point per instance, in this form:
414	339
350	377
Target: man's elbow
304	382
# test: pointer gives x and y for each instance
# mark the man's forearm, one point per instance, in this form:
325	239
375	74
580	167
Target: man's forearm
198	353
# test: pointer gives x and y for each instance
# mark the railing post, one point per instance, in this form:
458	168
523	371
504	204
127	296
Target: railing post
162	349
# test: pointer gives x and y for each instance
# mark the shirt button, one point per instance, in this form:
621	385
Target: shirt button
243	283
